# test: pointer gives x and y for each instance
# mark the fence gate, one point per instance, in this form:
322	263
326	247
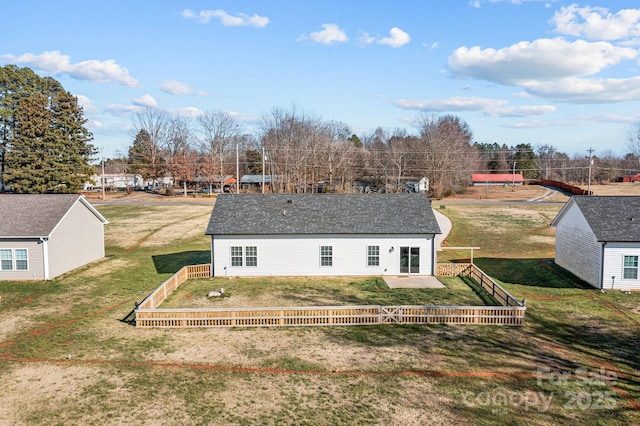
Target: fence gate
390	314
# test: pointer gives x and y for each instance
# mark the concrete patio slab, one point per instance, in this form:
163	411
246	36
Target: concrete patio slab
413	281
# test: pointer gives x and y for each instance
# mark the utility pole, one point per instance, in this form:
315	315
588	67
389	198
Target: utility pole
513	179
237	171
590	150
263	169
102	155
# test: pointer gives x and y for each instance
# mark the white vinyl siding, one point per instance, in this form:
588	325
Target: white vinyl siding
615	266
577	249
299	255
78	239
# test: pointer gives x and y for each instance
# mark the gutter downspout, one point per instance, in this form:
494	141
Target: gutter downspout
45	257
212	271
601	278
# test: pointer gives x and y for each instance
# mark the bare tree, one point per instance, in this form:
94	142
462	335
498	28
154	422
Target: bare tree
180	154
150	132
634	142
219	133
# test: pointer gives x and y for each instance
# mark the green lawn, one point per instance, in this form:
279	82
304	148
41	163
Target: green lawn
67	358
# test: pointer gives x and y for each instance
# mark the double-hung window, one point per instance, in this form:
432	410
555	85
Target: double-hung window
326	255
630	268
373	255
236	255
251	256
14	260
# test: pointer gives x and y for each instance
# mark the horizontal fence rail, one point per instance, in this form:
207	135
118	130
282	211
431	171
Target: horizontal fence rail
328	316
512	312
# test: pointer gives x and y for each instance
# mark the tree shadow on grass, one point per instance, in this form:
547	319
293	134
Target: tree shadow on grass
539	272
171	263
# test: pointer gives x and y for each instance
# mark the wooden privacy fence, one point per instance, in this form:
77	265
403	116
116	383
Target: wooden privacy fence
328	316
512	312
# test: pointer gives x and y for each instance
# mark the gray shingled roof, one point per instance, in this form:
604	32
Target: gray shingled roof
34	215
263	214
611	218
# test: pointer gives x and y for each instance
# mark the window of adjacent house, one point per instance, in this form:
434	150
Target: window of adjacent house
22	263
236	256
6	260
373	255
630	271
14	260
251	256
326	256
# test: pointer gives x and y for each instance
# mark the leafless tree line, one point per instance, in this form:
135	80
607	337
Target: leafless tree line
303	153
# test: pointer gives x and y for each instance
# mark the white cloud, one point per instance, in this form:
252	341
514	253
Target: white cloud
189	112
542	59
54	62
521	111
240	20
597	23
396	38
145	101
330	33
582	90
175	87
366	38
121	109
487	106
456	103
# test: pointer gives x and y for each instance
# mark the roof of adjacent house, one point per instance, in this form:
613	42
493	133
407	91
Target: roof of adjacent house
255	179
497	177
36	215
611	218
267	214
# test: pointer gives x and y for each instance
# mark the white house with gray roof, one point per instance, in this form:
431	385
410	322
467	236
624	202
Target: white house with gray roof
44	236
598	240
322	235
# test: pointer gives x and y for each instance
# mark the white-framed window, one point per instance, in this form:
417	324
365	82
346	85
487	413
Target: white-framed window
373	255
326	255
236	255
251	256
14	260
630	268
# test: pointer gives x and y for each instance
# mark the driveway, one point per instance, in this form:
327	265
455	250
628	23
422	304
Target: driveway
445	227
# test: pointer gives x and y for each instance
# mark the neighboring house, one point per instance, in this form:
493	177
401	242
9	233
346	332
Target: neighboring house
598	240
322	234
483	179
44	236
421	185
255	181
114	181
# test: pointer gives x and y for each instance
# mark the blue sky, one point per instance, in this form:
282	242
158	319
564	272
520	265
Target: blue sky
517	71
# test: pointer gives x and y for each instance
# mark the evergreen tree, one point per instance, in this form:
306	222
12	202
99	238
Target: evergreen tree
44	146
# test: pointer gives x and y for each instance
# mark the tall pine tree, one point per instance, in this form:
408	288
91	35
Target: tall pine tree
45	146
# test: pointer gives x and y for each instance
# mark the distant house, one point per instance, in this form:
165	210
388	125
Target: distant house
629	178
482	179
44	236
421	185
322	234
255	181
598	240
114	181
